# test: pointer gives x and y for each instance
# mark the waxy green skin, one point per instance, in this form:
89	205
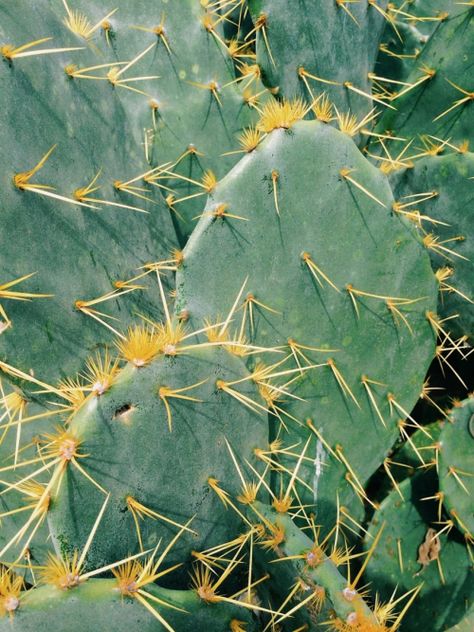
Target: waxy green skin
304	35
456	451
425	441
353	240
131	452
406	38
407	50
443	604
77	253
98	604
451	176
418	452
449	52
186	115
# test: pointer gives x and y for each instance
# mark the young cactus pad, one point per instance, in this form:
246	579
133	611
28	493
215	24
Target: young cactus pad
153	440
416	549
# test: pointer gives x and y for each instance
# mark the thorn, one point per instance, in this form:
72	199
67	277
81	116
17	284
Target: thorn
275	178
10	52
165	392
344	173
316	271
342	382
428	73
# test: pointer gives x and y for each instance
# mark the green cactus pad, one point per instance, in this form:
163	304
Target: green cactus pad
399	51
450	178
456	466
75	253
406	33
132	453
98	604
352	240
445	60
178	110
293	36
442	599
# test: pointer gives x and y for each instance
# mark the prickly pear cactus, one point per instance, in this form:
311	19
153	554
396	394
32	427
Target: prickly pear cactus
236	316
75	219
111	604
321	298
177	406
22	422
193	104
456	466
437	98
445	222
299	57
419	551
408	28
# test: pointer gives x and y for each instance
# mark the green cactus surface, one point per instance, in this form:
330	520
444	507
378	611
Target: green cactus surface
445	218
236	315
411	554
437	99
456	466
99	602
176	406
193	108
300	56
327	301
60	253
313	571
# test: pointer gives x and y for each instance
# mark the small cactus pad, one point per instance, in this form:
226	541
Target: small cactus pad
456	466
445	218
411	553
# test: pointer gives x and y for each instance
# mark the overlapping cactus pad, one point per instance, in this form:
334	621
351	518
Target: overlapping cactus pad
236	306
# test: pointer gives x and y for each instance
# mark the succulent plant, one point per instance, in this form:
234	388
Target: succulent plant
436	99
444	222
235	290
323	287
418	548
